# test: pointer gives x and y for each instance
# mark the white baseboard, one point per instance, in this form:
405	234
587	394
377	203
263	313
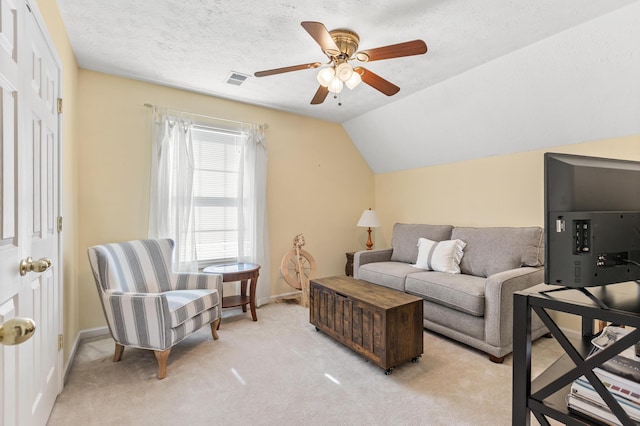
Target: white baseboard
93	332
83	335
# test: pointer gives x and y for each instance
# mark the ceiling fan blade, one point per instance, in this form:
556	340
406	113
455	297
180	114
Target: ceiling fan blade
320	34
408	48
320	95
377	82
287	69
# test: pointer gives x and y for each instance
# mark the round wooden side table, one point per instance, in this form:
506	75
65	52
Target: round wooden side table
243	272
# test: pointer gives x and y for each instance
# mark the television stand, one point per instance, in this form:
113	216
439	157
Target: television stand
544	396
583	291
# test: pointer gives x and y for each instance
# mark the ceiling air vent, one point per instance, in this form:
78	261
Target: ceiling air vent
236	78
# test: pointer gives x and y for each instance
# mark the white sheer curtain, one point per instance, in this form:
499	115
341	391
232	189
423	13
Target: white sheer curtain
171	211
254	230
171	198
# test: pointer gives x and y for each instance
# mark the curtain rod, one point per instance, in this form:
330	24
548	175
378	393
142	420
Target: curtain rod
148	105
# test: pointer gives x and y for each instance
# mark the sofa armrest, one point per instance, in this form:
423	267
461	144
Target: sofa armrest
499	301
370	256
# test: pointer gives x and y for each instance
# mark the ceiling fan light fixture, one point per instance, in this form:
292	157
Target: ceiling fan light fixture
344	71
335	86
341	47
325	75
353	81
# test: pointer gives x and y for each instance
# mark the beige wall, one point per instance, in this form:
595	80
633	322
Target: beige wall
53	21
493	191
318	183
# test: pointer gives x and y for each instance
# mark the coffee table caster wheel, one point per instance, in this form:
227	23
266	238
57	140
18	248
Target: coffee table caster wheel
415	359
317	329
388	371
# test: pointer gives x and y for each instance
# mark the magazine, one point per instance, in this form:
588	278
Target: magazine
591	410
625	364
583	389
620	375
619	385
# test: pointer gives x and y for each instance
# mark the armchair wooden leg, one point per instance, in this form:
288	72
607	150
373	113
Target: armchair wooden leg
214	327
117	355
162	357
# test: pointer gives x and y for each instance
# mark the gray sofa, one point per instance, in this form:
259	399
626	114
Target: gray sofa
475	306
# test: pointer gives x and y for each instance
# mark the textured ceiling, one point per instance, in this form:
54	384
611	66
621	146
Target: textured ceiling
196	44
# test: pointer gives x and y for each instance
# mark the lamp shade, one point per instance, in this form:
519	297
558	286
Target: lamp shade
336	85
353	81
369	219
325	75
344	71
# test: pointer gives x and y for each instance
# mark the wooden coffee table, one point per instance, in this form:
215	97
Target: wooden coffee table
383	325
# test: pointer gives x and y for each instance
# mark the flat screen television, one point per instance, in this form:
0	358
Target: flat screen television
592	220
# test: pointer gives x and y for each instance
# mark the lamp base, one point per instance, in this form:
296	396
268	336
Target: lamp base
369	242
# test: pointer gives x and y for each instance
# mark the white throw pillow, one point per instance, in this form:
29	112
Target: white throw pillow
442	256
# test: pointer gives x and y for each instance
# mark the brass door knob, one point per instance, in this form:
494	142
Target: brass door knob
40	265
16	331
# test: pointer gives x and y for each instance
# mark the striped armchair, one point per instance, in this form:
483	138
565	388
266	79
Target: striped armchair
148	306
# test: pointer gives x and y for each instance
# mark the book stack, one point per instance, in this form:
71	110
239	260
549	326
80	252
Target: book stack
620	375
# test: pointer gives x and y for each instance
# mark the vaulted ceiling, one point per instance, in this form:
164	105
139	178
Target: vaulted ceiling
196	44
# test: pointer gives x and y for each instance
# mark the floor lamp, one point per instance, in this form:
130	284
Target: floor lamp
369	220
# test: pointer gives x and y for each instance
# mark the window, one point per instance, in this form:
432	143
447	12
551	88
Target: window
208	189
215	193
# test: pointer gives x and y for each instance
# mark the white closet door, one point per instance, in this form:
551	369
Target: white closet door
30	75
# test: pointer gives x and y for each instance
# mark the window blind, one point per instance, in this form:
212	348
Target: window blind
215	185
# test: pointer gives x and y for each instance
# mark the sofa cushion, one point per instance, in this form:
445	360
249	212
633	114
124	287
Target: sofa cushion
387	274
442	256
464	293
404	239
493	250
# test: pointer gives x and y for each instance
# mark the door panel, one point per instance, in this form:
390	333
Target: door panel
8	368
30	75
9	253
43	240
9	250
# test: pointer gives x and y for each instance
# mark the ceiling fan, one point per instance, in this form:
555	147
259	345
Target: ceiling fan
341	46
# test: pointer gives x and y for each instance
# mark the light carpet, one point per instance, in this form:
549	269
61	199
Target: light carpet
281	371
